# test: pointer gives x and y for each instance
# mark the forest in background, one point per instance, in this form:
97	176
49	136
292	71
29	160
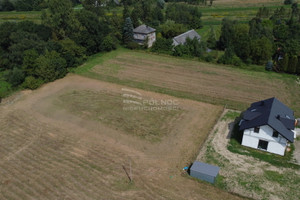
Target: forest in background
35	53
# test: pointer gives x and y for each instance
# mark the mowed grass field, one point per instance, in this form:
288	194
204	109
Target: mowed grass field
72	139
217	84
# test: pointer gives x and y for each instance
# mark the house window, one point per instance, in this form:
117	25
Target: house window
256	129
262	144
275	134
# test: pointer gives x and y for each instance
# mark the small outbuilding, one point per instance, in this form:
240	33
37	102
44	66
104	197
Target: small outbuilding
204	171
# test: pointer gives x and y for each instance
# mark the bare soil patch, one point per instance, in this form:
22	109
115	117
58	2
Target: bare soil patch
49	151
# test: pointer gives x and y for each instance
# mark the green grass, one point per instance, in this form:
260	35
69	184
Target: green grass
235	146
257	72
230	115
215	15
5	87
205	31
220	182
110	109
98	59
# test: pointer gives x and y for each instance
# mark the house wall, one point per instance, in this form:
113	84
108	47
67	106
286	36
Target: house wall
175	43
142	37
151	39
275	145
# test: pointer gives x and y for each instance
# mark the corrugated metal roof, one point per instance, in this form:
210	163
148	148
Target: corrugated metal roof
205	168
273	113
181	39
144	29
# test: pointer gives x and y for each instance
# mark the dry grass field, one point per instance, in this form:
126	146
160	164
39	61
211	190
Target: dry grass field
70	139
211	83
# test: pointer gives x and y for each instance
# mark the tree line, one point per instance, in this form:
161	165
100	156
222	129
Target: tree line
271	39
32	54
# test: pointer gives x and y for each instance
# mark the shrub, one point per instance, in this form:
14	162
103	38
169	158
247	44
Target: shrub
162	45
15	77
32	83
108	44
133	45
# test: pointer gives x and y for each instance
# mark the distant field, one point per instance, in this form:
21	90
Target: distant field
241	10
216	84
244	3
20	16
215	15
72	139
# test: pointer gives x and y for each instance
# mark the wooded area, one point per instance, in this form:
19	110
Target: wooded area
32	54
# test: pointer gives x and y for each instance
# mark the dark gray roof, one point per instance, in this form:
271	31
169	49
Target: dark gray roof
144	29
181	39
204	168
273	113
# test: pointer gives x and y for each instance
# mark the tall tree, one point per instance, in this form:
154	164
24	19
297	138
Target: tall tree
212	41
161	4
51	66
92	31
298	66
261	50
284	63
6	5
126	12
292	66
227	30
127	31
95	6
61	19
241	40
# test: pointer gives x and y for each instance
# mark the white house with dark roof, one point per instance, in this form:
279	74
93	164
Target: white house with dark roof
268	125
181	39
144	33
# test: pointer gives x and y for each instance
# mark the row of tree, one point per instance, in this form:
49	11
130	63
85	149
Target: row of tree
266	37
271	39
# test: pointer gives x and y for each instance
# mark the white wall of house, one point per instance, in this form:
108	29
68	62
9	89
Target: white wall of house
151	39
275	145
143	37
